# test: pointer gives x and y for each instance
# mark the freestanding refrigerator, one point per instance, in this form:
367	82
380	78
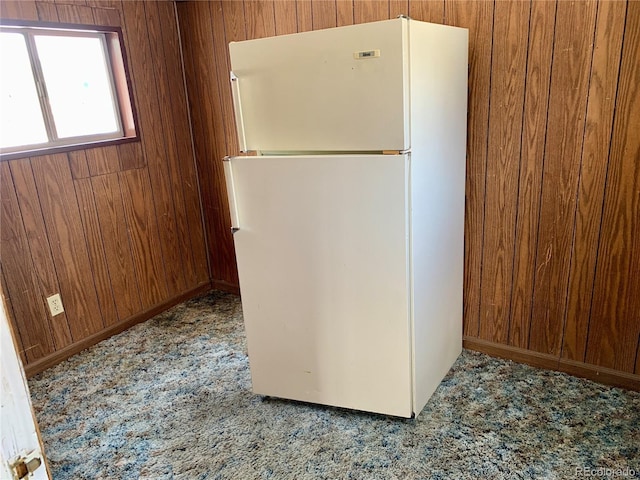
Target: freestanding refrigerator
348	211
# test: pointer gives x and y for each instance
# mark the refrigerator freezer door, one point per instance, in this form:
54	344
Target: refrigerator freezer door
322	252
324	90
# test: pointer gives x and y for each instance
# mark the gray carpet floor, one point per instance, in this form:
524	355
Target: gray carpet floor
171	398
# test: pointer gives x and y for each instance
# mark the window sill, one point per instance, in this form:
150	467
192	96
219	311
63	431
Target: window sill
66	148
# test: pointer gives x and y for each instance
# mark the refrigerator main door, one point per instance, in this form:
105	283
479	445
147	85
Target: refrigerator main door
322	251
324	90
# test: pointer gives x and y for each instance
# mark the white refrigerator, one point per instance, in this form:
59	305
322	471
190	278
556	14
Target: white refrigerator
348	211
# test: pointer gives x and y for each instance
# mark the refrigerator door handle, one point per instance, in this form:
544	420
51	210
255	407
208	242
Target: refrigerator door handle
237	107
231	195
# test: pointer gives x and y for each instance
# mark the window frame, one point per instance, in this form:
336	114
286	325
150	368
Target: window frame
112	41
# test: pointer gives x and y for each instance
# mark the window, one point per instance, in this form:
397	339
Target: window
61	88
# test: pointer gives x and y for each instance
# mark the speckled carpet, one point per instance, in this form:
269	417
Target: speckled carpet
171	398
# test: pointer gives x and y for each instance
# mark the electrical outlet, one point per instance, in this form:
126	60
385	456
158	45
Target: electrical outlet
55	304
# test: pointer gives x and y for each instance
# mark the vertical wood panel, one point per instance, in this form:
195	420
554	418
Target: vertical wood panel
38	240
47	12
210	165
427	10
508	71
101	3
175	194
200	106
567	108
541	29
143	236
19	9
323	14
78	164
106	16
11	315
629	330
370	10
478	18
615	319
286	18
305	19
344	12
95	247
235	31
593	170
30	318
102	160
151	112
227	142
74	13
185	164
223	61
64	230
64	2
259	18
234	21
113	227
131	156
399	7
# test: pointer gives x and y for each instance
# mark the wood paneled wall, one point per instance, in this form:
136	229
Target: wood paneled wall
117	230
552	248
